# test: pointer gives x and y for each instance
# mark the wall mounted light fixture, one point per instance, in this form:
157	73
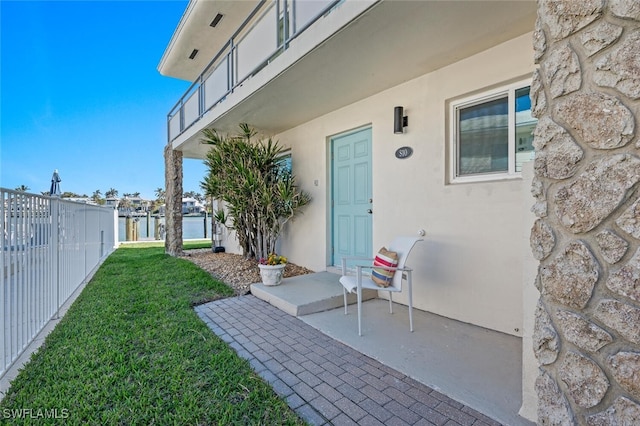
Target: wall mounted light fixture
400	121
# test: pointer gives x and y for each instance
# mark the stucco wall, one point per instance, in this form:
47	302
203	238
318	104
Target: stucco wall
530	296
470	265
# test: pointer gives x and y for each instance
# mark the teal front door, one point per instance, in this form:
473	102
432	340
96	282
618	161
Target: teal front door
352	202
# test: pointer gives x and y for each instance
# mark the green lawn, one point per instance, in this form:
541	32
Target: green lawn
132	351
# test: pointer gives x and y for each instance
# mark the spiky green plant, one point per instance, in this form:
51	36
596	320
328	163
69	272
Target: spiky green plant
260	194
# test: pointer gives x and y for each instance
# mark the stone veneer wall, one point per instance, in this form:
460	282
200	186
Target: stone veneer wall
173	201
586	95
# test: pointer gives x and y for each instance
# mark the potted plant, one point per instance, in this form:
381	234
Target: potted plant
272	269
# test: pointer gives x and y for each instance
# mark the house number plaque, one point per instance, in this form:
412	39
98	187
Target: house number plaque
404	152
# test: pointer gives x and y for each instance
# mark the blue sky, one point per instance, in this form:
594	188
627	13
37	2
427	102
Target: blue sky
80	92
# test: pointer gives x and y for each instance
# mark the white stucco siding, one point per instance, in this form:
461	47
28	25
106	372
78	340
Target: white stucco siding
304	240
470	265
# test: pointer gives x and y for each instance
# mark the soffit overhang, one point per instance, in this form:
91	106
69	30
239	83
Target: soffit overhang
392	42
195	32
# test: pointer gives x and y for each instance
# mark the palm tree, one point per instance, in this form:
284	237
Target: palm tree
159	201
23	188
96	197
111	193
160	194
70	194
125	204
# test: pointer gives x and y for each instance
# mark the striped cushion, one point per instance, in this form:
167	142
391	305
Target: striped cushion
382	277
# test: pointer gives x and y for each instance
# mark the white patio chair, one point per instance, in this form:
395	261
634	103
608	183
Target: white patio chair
355	283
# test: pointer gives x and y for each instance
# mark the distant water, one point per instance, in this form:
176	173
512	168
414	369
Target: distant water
192	227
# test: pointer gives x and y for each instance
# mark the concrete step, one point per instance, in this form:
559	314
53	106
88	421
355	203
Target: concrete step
307	294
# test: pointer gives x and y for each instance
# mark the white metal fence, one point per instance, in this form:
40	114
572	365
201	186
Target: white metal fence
48	248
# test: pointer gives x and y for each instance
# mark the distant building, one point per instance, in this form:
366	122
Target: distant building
192	206
128	205
112	202
83	200
138	204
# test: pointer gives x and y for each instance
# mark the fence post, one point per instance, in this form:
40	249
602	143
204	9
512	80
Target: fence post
129	228
55	243
205	224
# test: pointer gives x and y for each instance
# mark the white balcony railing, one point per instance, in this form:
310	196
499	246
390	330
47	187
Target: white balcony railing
265	34
48	247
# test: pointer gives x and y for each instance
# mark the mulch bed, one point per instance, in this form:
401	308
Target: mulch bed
234	270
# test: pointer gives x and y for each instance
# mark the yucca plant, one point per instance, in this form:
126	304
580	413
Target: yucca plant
260	194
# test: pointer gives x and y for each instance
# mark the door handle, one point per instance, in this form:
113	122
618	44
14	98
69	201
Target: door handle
369	211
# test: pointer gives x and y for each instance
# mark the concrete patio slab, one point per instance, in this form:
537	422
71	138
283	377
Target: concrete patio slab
477	367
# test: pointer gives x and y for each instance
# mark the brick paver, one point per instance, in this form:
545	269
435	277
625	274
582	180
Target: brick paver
323	380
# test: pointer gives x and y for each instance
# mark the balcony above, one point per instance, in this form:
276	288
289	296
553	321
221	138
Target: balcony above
354	49
195	32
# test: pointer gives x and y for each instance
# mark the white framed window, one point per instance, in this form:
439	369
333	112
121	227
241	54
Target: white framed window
284	161
491	134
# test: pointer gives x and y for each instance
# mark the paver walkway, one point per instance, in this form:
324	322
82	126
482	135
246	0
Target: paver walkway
323	380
